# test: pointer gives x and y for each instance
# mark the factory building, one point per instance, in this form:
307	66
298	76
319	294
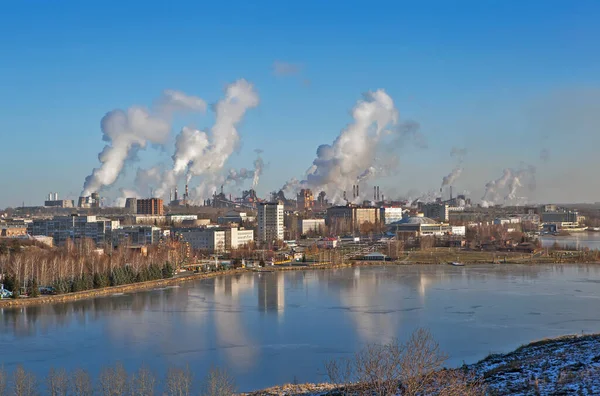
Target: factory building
150	206
74	227
305	199
136	235
131	205
92	201
54	202
270	221
350	218
561	216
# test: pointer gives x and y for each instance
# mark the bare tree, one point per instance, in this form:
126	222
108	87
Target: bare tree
422	358
143	382
3	381
57	382
378	368
340	372
179	381
114	381
218	382
24	382
81	384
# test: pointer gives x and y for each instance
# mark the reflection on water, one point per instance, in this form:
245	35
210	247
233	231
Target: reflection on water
269	328
578	240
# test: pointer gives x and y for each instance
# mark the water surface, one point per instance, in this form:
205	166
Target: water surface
271	328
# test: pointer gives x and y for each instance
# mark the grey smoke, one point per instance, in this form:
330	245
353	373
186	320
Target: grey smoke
458	153
509	183
239	176
128	131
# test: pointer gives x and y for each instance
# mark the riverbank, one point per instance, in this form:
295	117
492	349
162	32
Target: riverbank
421	257
568	365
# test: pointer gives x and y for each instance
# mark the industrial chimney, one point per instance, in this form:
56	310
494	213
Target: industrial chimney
357	193
374	193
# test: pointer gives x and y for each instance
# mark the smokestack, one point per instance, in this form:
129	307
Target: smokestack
176	193
49	196
378	193
56	196
345	197
374	193
357	194
450	193
221	189
382	198
187	193
353	191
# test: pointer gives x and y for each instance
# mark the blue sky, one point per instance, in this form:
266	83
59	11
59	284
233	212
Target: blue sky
505	79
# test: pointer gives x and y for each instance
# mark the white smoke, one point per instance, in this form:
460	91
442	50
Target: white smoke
459	154
127	131
509	183
201	155
451	178
351	156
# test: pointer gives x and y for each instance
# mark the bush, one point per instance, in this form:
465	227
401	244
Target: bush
167	270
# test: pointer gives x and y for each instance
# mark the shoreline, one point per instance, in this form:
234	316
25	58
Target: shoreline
133	287
565	364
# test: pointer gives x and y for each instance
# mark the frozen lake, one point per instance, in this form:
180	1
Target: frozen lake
271	328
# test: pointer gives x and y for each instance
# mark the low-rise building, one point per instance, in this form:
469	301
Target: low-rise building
327	243
424	226
74	227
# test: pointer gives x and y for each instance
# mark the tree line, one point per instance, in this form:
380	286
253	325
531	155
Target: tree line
115	381
80	266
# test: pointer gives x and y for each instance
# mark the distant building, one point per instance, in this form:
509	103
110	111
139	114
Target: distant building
216	239
305	199
424	226
74	227
316	226
270	222
327	243
61	203
234	216
561	216
390	214
507	220
136	235
131	205
12	231
150	206
437	211
350	218
179	218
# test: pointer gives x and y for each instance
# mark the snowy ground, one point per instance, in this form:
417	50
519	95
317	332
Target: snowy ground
567	365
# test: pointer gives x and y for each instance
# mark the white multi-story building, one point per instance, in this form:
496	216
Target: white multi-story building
270	222
212	239
391	214
216	239
237	237
311	225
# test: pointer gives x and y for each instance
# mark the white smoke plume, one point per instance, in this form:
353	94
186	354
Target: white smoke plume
201	155
509	183
451	178
127	131
352	155
459	154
